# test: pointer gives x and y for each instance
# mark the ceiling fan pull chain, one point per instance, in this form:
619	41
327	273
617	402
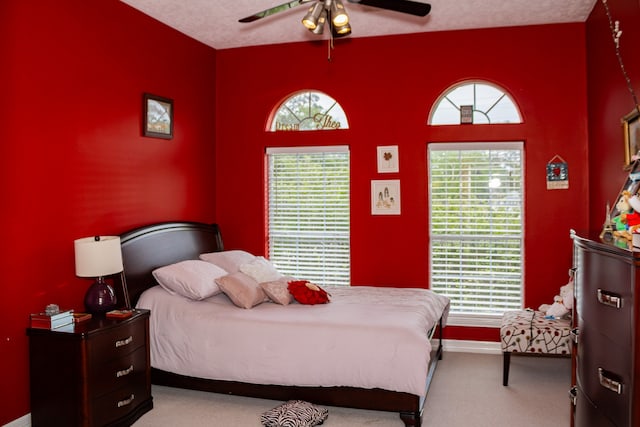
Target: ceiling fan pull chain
330	41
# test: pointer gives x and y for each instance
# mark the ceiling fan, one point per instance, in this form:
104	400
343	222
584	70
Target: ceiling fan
333	12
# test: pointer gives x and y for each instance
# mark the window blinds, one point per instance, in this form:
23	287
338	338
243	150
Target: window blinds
308	213
476	225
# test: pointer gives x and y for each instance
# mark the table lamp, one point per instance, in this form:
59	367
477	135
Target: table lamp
98	256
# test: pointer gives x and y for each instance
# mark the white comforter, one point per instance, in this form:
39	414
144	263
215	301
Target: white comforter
366	337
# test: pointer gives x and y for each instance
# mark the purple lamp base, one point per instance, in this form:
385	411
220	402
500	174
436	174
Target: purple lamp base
100	297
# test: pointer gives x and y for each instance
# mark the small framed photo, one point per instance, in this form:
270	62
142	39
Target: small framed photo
157	116
385	197
466	114
388	159
631	129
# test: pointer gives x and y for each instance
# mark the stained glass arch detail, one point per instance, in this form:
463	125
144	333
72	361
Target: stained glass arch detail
308	110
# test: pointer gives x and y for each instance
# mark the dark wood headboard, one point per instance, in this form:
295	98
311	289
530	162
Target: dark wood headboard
146	248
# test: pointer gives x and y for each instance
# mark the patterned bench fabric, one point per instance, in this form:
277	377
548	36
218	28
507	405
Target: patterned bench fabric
528	331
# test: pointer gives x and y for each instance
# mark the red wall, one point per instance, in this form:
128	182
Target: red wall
387	86
610	99
74	163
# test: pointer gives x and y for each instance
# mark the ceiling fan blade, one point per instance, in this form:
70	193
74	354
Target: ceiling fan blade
404	6
275	9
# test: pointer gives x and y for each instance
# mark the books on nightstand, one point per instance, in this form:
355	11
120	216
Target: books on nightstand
119	314
51	321
81	317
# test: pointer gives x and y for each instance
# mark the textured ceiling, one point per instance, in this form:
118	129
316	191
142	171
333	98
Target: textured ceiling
215	22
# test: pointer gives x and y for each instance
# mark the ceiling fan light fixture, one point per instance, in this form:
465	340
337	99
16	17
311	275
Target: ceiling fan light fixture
310	20
320	25
339	15
342	30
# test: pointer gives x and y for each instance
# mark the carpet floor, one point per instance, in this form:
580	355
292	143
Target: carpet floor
466	391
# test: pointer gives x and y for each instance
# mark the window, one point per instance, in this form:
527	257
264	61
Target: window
308	201
476	228
486	104
310	110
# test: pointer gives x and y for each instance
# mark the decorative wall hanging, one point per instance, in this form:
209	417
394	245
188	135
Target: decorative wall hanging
466	114
388	159
385	197
157	118
631	129
557	174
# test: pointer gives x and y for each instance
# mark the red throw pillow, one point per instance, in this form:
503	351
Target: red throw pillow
306	292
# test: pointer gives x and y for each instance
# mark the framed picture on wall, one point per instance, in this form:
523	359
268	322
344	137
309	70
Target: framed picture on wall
631	129
385	197
388	159
157	116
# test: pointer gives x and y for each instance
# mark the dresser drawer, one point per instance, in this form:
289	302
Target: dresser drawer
119	403
120	372
117	342
604	373
587	415
606	299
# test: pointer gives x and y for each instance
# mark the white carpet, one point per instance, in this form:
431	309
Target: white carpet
466	391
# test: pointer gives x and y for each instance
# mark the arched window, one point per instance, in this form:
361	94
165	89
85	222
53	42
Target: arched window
309	110
474	103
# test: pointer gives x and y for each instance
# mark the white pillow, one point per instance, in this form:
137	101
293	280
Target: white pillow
261	270
193	279
228	260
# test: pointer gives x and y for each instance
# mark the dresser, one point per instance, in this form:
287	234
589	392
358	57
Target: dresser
606	356
97	374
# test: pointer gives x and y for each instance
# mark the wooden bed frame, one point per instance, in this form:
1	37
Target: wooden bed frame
147	248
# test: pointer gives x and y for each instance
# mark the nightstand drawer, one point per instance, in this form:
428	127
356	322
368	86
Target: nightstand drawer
119	372
116	342
119	403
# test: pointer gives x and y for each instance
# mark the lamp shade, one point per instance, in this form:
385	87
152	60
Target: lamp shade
98	256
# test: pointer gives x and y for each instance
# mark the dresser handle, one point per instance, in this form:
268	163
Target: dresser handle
124	372
120	343
575	334
608	383
126	402
610	299
573	395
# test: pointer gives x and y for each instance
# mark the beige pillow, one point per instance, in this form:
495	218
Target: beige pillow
241	289
277	290
228	260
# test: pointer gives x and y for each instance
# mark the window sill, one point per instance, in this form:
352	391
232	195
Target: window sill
476	320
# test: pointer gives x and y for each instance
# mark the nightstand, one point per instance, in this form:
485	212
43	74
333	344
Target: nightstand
96	375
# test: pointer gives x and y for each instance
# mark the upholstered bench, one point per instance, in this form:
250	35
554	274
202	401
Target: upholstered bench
528	332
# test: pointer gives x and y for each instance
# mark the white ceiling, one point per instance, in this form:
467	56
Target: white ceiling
215	22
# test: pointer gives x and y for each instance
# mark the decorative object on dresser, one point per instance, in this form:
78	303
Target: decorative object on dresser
623	220
95	373
606	349
98	257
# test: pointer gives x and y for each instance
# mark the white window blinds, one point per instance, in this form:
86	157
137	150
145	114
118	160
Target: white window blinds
476	225
308	218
